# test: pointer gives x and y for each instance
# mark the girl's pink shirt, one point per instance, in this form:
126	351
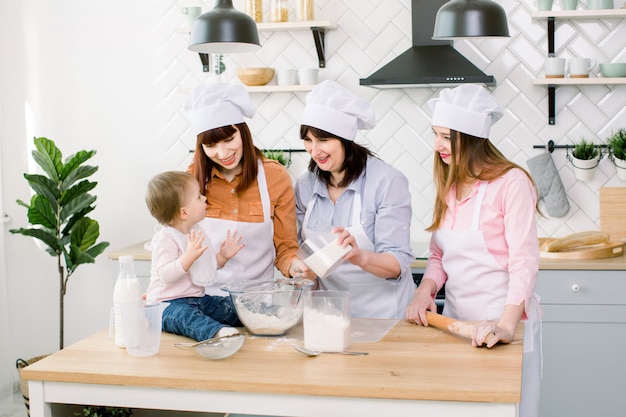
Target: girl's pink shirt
507	221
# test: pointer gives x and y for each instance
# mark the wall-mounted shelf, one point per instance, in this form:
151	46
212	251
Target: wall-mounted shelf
317	27
551	17
580	14
579	81
265	89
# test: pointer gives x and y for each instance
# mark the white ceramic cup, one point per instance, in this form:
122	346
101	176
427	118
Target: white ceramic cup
569	4
192	13
286	76
308	76
555	67
580	67
544	5
599	4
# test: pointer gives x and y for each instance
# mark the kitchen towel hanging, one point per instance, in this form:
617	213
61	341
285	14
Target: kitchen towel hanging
549	185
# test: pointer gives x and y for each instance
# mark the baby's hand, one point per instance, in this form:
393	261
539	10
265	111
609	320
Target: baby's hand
231	245
195	248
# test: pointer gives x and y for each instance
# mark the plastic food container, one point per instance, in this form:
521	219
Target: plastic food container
322	253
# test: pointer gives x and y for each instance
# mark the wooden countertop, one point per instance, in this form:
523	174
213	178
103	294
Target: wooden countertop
617	263
410	362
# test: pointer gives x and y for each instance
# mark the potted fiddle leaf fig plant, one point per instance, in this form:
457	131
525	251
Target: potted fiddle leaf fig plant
57	215
585	159
617	149
57	212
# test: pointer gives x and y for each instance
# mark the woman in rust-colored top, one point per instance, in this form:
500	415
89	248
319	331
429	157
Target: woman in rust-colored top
245	191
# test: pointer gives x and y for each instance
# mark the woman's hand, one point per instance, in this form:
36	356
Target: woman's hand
344	238
422	301
299	269
489	333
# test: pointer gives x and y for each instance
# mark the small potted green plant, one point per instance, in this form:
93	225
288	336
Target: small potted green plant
101	411
277	156
585	158
617	149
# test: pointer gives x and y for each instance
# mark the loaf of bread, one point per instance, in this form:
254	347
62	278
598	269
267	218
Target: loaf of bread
575	240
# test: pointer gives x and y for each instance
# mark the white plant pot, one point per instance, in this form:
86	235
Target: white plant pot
585	169
620	165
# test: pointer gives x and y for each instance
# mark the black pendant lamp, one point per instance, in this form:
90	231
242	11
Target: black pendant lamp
224	30
470	19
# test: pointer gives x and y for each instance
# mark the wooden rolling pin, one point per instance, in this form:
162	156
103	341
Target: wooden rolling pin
454	326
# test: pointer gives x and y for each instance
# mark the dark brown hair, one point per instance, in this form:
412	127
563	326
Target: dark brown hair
354	161
202	165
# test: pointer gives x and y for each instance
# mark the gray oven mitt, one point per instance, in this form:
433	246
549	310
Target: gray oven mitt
549	185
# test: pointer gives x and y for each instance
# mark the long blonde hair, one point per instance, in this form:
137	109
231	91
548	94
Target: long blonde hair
472	159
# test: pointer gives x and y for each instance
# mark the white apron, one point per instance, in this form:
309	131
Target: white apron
370	296
476	290
255	261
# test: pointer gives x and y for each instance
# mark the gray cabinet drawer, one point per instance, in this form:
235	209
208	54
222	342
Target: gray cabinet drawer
582	287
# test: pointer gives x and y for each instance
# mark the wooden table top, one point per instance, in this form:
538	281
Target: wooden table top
410	362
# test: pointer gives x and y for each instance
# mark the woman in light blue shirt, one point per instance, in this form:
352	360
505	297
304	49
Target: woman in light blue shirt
349	191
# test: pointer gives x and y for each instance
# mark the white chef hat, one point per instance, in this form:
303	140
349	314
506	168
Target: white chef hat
469	108
211	105
332	108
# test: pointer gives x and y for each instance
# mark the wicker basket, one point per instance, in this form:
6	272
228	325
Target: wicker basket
19	364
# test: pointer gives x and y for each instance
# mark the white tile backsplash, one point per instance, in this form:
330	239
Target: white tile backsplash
368	34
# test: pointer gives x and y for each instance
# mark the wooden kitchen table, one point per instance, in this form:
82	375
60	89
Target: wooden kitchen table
412	371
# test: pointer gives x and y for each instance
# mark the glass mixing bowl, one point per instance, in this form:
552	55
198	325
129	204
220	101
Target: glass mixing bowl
269	308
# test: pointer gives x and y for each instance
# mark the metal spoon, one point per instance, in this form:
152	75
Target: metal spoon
207	341
310	352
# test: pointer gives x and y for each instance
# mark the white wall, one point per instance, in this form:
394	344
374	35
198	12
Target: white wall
105	76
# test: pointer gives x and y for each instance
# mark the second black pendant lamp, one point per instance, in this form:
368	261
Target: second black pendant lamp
470	19
224	30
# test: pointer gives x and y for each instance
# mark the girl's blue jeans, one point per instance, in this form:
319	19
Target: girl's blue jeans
199	317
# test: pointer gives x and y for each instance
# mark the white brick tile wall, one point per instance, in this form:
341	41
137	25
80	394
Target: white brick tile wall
368	34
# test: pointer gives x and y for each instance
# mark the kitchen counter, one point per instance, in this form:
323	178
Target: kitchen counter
413	371
617	263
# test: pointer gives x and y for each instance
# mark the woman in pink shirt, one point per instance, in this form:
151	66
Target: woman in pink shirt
484	244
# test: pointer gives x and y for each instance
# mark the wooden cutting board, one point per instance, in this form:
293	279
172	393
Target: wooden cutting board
600	251
613	212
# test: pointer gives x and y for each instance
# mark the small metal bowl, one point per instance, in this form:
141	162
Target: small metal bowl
221	348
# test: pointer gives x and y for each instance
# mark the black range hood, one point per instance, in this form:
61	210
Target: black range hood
429	63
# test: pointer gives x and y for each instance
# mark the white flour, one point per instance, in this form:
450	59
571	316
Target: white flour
322	260
281	320
326	332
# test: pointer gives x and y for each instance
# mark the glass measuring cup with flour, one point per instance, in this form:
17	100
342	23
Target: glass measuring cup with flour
322	253
326	321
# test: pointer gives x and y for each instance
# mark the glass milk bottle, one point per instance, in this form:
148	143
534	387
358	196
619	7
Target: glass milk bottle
127	292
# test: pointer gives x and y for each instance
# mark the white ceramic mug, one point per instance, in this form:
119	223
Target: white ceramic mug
544	5
599	4
569	4
286	76
579	67
308	76
192	13
555	67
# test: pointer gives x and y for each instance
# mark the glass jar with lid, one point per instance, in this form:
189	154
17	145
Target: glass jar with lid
254	9
305	10
279	11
